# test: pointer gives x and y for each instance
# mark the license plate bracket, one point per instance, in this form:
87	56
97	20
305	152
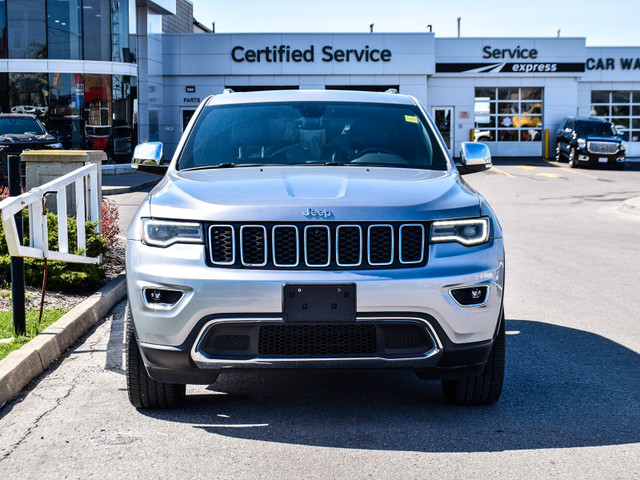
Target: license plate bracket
323	303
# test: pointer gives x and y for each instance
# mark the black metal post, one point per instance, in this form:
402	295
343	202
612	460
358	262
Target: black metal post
17	263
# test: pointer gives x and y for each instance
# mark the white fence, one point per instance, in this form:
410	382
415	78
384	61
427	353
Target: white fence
87	198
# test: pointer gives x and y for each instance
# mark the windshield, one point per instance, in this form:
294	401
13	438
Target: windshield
312	133
595	128
20	125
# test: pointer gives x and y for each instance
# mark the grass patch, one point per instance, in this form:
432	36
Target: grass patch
6	328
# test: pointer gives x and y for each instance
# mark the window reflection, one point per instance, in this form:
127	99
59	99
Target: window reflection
64	19
3	29
97	110
97	24
28	93
66	105
121	51
27	29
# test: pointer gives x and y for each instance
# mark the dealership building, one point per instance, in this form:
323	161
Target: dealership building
143	66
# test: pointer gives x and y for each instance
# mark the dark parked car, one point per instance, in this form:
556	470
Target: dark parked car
119	144
69	130
20	132
589	141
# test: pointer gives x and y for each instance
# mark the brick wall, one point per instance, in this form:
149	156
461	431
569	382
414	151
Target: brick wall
182	21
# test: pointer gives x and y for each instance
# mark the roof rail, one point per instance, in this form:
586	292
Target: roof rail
391	90
228	90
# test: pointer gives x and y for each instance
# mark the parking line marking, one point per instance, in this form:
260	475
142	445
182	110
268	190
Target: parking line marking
503	172
549	175
573	170
526	167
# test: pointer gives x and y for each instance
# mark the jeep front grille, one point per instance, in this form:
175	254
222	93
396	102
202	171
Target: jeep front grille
603	148
317	246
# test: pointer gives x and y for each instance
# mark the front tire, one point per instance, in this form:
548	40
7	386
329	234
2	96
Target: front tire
573	158
485	389
558	153
144	391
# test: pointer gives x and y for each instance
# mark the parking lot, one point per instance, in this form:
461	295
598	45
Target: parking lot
570	407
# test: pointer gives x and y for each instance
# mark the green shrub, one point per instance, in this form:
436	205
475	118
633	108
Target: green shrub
62	276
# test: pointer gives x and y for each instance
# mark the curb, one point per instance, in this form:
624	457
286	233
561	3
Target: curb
127	189
631	205
23	365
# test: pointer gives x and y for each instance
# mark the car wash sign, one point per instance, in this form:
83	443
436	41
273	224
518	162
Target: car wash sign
501	56
613	64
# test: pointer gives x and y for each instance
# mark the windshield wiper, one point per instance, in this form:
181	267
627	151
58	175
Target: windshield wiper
337	164
206	167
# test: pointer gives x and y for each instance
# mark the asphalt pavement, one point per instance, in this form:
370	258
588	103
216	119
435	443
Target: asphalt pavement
570	407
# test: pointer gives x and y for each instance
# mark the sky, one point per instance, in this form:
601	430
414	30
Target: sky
602	22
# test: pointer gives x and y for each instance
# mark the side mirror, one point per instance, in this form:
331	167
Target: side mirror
474	157
147	158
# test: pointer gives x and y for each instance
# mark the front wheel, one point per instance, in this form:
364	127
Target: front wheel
573	158
485	389
144	391
558	153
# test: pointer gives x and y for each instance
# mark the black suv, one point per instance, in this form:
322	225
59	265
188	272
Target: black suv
589	141
20	132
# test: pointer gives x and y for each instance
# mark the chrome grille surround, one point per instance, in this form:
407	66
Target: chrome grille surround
402	254
326	245
371	229
243	228
603	148
338	262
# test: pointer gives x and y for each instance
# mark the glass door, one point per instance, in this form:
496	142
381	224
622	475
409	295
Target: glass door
443	118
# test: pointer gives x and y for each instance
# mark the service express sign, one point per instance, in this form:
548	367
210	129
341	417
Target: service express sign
520	56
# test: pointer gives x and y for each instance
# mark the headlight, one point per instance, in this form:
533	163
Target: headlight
55	145
623	147
162	233
473	231
582	143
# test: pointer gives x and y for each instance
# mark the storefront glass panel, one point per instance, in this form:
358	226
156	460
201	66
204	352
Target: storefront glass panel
133	28
64	29
3	29
121	51
121	138
97	110
518	118
29	93
97	21
66	107
27	29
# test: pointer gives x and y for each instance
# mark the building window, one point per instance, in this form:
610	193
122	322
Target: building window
622	108
97	24
121	51
133	28
64	29
508	114
3	29
27	25
97	110
66	105
29	93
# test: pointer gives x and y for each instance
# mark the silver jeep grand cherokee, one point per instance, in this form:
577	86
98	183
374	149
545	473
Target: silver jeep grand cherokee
314	229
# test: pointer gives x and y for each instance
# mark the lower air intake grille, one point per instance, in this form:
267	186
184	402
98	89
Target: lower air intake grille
317	340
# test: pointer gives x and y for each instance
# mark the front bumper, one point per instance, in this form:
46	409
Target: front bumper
585	157
171	339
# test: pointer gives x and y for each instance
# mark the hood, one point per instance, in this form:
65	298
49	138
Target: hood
26	138
600	138
285	193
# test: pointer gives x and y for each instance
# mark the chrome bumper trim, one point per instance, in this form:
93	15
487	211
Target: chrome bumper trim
204	361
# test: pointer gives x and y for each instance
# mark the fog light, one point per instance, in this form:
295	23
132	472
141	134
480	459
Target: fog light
620	159
584	158
161	299
470	296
